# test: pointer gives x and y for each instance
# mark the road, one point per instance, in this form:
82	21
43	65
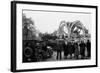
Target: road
53	58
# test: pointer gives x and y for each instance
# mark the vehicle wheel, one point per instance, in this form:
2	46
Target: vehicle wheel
28	52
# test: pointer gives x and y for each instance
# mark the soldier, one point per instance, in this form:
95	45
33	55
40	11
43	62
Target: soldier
88	45
76	50
73	48
59	47
65	49
82	48
70	49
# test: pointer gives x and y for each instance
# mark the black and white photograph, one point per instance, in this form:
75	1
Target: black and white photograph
47	36
55	36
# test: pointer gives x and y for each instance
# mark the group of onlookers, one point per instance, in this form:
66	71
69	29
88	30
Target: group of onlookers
76	50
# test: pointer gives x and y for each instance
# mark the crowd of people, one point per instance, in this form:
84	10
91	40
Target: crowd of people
76	50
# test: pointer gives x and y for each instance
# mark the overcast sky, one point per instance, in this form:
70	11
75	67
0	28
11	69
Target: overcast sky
50	21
